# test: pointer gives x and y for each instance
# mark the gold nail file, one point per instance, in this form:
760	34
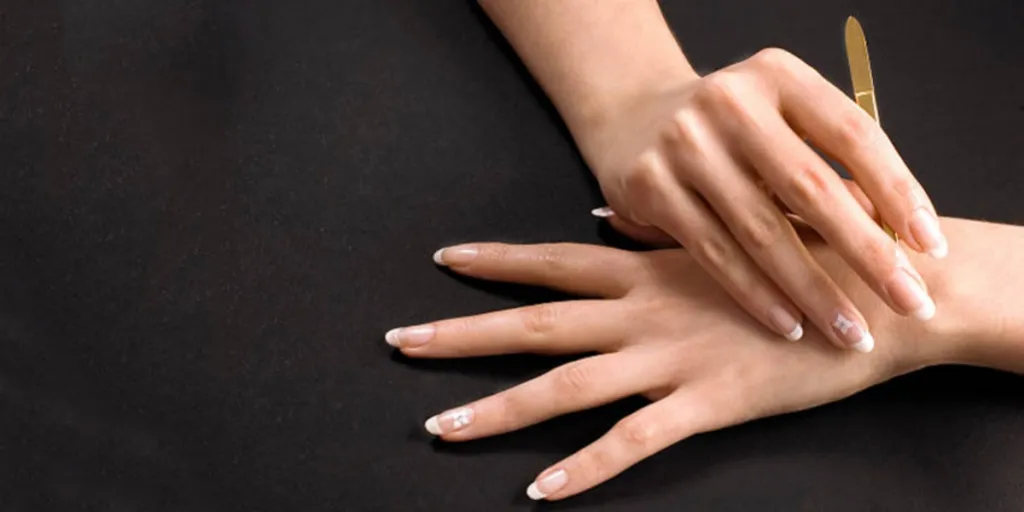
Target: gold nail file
860	73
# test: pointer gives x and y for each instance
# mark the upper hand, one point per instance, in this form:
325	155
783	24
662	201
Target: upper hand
663	329
708	161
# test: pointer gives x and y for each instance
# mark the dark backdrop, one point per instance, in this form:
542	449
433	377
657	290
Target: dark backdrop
211	211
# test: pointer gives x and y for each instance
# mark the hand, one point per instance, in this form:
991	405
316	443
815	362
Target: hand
664	329
706	159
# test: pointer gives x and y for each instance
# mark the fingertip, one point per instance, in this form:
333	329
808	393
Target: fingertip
433	426
865	345
547	484
533	492
796	333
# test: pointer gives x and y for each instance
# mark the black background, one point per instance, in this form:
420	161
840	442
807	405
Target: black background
211	211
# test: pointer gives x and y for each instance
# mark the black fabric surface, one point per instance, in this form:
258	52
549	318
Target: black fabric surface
211	211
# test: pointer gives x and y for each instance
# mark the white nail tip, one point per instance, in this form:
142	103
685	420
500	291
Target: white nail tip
433	426
926	311
796	333
438	257
939	252
534	492
603	212
392	337
866	344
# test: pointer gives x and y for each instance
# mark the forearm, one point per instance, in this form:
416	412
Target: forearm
985	320
591	56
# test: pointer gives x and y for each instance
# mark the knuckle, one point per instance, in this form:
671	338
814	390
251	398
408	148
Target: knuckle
909	191
855	130
879	254
761	229
641	181
541	319
685	130
506	407
723	91
715	251
596	463
573	379
775	59
638	434
810	186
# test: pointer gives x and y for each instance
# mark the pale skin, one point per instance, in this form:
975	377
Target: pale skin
719	163
664	329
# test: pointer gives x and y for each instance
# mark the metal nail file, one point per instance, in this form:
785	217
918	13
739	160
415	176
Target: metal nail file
860	73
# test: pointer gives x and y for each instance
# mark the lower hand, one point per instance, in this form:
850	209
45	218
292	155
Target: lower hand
662	328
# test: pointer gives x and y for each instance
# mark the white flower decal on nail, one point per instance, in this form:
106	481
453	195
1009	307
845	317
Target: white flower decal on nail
842	324
461	418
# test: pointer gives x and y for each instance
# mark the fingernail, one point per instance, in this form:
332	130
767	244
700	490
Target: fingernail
449	421
785	323
409	337
547	485
925	228
852	333
907	292
602	213
458	255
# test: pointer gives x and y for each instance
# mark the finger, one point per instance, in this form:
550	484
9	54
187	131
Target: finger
840	128
851	186
684	215
647	235
568	327
636	437
588	270
767	235
816	193
862	199
576	386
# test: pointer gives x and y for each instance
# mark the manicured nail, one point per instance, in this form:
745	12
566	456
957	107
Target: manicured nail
409	337
547	485
458	255
925	228
449	421
602	213
785	323
852	333
906	291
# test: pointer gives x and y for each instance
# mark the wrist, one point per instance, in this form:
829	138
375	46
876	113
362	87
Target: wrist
979	321
595	113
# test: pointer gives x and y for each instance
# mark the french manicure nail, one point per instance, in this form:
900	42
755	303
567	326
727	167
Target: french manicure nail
449	421
602	213
926	230
458	255
409	337
906	291
852	333
547	485
785	323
